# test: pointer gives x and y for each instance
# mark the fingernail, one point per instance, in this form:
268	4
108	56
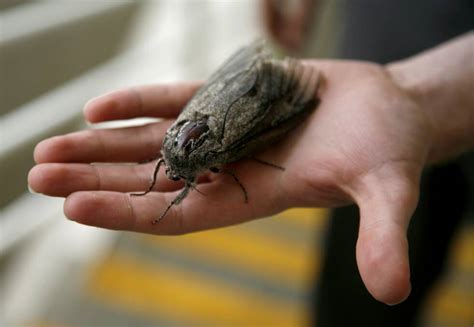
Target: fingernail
86	107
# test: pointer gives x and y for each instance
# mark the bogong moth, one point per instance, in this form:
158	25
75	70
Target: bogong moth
251	101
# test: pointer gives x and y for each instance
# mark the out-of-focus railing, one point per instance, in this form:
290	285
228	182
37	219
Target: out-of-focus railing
54	56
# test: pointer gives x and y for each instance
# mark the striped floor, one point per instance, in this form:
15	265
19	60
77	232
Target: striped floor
256	274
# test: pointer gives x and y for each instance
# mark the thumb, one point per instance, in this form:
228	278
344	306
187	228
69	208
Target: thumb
386	206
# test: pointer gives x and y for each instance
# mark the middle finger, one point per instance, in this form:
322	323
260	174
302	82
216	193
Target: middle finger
129	144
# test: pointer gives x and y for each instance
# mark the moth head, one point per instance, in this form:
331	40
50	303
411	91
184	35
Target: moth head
183	146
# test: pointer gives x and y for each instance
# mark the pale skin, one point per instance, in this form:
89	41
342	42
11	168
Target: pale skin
367	143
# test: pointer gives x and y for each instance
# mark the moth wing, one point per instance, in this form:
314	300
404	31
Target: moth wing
296	85
228	83
242	60
239	62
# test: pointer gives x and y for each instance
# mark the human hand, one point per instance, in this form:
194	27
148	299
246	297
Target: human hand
366	143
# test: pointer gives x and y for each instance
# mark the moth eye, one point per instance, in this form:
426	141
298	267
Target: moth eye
188	147
192	135
175	178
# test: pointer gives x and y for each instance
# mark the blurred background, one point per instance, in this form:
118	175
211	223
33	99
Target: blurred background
54	56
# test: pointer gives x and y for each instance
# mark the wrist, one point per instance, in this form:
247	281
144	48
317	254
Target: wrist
440	82
419	91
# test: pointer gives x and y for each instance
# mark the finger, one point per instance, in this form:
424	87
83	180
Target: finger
131	144
382	247
271	17
63	179
160	100
222	205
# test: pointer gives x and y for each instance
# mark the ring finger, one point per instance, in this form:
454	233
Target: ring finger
130	144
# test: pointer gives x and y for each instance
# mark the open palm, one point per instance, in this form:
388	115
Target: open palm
367	142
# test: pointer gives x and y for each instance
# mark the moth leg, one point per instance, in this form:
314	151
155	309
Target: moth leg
176	200
193	186
267	163
231	173
153	181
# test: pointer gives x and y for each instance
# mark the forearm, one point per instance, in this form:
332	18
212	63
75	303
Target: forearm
441	80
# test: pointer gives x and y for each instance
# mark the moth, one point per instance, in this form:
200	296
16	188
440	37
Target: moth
251	101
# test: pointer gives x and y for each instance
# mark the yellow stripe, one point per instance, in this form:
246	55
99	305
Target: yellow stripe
452	304
157	290
259	254
463	251
304	217
43	323
455	303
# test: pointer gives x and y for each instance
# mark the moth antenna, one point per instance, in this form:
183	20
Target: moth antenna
146	161
153	181
157	220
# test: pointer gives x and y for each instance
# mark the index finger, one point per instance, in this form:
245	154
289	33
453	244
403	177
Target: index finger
157	100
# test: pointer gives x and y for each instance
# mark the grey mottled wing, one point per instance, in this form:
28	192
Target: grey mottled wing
240	61
253	97
226	85
293	97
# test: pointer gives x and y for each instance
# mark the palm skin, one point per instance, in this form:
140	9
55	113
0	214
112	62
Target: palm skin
367	143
